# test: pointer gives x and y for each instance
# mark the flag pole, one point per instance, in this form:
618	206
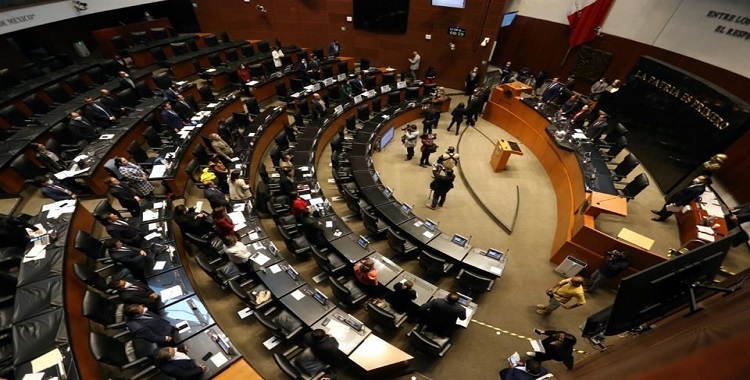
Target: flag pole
565	58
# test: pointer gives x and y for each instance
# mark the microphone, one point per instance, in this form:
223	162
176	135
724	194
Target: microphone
608	199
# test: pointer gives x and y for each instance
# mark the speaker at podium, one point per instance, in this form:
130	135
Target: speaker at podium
502	152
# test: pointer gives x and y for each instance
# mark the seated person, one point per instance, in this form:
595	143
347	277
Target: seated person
529	370
13	231
366	273
82	128
133	259
441	314
192	222
149	326
124	232
55	190
95	112
313	228
299	205
402	297
49	159
175	363
136	292
324	346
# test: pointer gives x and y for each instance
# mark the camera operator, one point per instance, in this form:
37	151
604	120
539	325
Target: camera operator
615	262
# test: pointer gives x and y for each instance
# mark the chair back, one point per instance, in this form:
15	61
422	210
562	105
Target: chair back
214	59
425	344
89	246
99	309
159	33
103	209
369	82
136	152
26	168
394	98
144	91
90	278
77	84
252	106
96	74
396	242
158	54
412	93
57	93
206	94
364	64
247	50
108	350
162	80
321	259
431	263
370	221
377	104
637	185
340	291
286	366
389	78
264	47
152	137
381	316
474	282
231	55
240	292
36	105
119	43
128	98
343	68
627	165
179	48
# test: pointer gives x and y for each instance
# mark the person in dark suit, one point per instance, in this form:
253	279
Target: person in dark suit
82	128
457	117
120	64
334	48
304	71
286	184
558	346
95	112
135	260
737	216
112	103
402	297
441	314
149	326
324	346
171	93
431	118
683	197
125	195
215	197
570	105
529	370
598	127
473	108
312	228
121	230
175	363
171	118
357	85
126	82
55	190
136	292
183	109
49	159
191	222
552	91
471	81
440	187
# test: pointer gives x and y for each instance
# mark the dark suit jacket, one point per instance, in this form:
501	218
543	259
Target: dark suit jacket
125	85
55	194
327	350
151	327
188	223
183	109
100	116
130	257
401	300
180	369
137	296
215	197
441	316
84	129
686	195
127	234
113	104
125	195
172	120
49	163
357	86
317	110
171	95
552	91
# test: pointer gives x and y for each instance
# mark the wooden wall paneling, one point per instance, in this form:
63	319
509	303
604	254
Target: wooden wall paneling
734	172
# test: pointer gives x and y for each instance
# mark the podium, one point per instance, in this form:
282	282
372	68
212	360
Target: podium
501	153
504	92
606	203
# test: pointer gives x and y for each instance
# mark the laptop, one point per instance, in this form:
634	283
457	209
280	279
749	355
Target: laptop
405	208
363	242
459	240
387	191
494	253
464	300
292	273
430	225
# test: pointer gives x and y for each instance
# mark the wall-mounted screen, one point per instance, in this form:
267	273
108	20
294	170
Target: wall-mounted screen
449	3
390	16
508	18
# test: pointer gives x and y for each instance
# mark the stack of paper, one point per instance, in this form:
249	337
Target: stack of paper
158	171
150	215
237	217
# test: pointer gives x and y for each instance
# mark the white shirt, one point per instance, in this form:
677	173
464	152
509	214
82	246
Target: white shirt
277	54
415	62
238	253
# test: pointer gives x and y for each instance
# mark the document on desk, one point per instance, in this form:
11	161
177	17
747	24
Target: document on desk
173	292
34	376
159	265
329	224
252	83
152	235
428	234
496	270
107	136
237	217
70	173
306	197
260	258
298	295
704	236
275	268
253	236
150	215
316	201
47	360
705	229
239	226
258	245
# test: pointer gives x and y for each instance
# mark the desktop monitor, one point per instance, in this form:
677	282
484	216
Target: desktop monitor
363	112
494	253
387	136
264	47
508	19
210	40
292	273
256	71
363	242
320	297
430	225
459	240
354	323
405	208
272	248
387	191
377	105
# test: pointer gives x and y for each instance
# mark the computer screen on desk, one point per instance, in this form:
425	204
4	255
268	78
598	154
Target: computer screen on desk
376	176
464	300
320	297
387	191
363	242
459	240
430	225
292	273
272	248
494	253
354	323
405	208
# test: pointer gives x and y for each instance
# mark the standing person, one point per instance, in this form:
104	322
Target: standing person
112	102
135	291
440	187
277	54
124	232
243	73
82	128
221	147
430	76
598	88
683	197
472	79
357	85
135	260
239	190
223	224
441	314
220	171
125	195
457	116
409	139
615	262
473	108
402	297
428	147
214	196
13	231
539	80
506	73
558	346
323	346
528	370
95	112
318	107
449	159
562	293
598	127
237	252
183	109
431	118
552	91
346	93
334	48
171	119
414	65
136	178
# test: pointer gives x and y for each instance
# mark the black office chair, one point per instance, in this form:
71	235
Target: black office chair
252	107
347	291
221	272
77	84
162	80
32	70
192	44
412	93
282	93
334	94
620	144
473	282
377	104
615	133
159	33
8	79
352	201
26	168
434	265
303	109
128	98
97	75
119	43
429	88
143	90
214	60
296	243
635	187
389	78
385	317
376	227
91	247
329	262
207	96
211	40
326	71
158	54
625	166
95	280
301	55
296	85
58	94
363	112
104	208
224	37
123	355
427	342
343	68
280	323
36	105
264	47
140	156
394	98
247	50
102	311
179	48
364	64
369	82
231	55
295	369
245	293
140	37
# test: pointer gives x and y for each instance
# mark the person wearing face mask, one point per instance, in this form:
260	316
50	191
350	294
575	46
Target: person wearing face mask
682	198
126	82
149	326
112	103
82	128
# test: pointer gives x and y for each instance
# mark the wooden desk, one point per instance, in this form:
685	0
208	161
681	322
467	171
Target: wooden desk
606	203
689	221
240	369
376	354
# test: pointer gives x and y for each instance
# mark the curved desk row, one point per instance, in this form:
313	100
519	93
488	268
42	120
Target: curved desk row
576	233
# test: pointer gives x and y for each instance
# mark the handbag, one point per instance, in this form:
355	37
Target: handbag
432	148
